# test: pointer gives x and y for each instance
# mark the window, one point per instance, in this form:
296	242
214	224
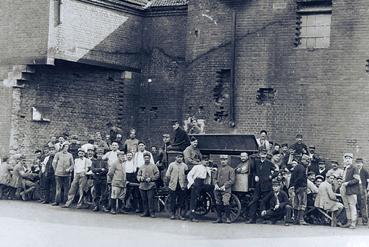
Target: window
313	26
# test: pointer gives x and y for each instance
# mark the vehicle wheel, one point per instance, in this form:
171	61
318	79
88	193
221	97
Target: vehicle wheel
167	205
203	204
235	207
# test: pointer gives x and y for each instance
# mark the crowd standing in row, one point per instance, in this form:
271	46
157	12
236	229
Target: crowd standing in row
118	177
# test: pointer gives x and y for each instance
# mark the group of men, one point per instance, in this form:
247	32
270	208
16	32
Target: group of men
116	176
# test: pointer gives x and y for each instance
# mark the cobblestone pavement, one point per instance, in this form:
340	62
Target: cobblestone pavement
32	224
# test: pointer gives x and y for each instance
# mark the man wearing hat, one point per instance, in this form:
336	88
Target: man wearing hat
74	146
117	176
285	155
99	169
181	139
263	172
350	188
223	183
298	186
363	196
299	147
147	176
279	205
327	200
47	176
63	165
80	168
192	154
176	177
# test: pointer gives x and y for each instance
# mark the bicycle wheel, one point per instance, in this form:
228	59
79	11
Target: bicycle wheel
203	204
235	205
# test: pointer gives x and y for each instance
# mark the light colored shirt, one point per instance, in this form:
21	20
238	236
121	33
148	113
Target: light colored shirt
198	171
139	159
338	173
311	187
176	175
81	165
111	156
131	166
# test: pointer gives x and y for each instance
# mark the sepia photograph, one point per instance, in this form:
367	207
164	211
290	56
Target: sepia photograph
184	123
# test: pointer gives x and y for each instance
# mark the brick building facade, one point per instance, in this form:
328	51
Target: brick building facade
288	66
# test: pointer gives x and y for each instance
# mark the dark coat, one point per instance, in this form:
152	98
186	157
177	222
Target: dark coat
299	177
271	200
265	172
99	168
181	139
352	177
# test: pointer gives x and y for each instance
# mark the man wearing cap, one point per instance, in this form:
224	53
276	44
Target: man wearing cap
298	186
74	146
279	205
222	191
176	178
285	155
263	173
299	147
181	139
163	159
80	167
192	154
117	176
138	157
327	200
196	181
63	164
146	176
131	144
363	195
47	176
337	172
262	141
350	188
99	168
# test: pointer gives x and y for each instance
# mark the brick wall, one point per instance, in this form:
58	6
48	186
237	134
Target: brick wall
24	31
77	99
163	63
95	34
321	93
5	107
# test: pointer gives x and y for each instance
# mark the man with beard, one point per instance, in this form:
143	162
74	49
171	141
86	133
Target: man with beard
298	186
192	154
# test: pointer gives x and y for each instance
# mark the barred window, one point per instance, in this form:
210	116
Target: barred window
314	26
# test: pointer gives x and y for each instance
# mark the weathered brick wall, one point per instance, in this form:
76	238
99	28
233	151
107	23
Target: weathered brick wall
77	99
95	34
24	31
163	62
321	93
5	109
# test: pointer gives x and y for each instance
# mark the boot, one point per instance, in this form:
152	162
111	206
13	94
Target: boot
347	225
228	214
219	214
296	217
353	224
301	218
193	217
113	205
97	204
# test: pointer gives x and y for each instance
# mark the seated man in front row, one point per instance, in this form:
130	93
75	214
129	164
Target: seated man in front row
279	205
327	200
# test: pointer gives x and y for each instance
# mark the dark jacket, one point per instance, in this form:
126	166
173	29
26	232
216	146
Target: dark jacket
299	177
352	177
99	168
270	200
181	139
49	169
265	172
225	177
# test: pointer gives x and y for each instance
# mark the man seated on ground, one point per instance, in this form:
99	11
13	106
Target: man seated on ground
326	199
222	191
279	205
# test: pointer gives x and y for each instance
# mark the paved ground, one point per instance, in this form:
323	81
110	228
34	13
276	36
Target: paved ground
32	224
